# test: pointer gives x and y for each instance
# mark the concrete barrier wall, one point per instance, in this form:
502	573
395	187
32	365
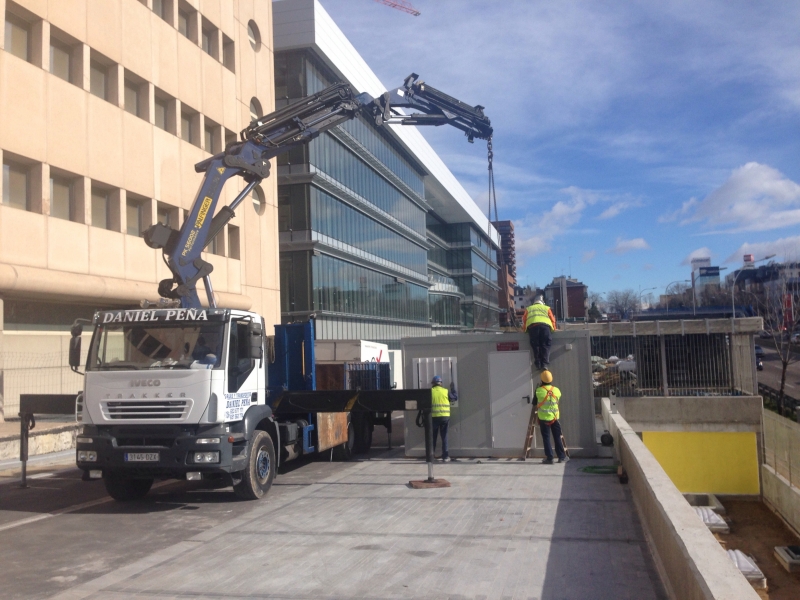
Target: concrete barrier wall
780	473
690	561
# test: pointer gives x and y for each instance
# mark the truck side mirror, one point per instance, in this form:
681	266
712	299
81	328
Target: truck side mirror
75	346
255	338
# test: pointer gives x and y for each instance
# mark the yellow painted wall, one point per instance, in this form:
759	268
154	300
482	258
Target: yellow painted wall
700	462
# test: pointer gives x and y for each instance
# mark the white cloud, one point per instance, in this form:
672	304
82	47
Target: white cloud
535	232
618	207
622	246
785	249
755	197
589	255
703	252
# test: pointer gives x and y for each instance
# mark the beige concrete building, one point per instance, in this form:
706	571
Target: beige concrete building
105	107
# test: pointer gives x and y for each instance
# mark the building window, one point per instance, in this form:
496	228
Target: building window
228	53
255	109
253	35
183	23
132	104
187	135
161	110
60	60
16	186
18	37
134	210
211	138
62	199
101	215
164	214
98	80
230	137
160	8
216	246
233	242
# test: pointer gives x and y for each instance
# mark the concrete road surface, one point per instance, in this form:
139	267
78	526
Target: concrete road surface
505	529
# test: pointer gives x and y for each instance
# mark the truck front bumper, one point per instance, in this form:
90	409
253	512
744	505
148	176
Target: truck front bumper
163	451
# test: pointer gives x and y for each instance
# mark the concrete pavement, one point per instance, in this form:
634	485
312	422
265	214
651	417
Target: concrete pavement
505	529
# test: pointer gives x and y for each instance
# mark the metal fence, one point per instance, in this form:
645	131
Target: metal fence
35	373
771	396
782	446
671	365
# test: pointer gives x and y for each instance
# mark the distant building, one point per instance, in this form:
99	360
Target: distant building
507	273
568	298
703	276
523	296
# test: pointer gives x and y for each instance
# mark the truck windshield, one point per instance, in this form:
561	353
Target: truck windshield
157	346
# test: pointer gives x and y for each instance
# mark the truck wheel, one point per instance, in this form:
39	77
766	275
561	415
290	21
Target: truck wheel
257	477
345	451
123	488
363	427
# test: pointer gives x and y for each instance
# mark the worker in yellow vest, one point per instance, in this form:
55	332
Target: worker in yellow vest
440	414
547	397
540	324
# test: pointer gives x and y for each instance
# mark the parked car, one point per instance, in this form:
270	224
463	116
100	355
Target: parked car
764	334
759	353
795	339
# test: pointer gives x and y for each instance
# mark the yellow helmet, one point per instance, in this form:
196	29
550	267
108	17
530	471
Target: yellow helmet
547	377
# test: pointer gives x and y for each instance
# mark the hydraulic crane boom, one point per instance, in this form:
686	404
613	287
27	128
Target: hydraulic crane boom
273	134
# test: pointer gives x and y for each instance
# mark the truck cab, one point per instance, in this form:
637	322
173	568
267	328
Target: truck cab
177	393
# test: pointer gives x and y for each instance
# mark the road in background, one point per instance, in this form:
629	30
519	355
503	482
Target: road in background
771	375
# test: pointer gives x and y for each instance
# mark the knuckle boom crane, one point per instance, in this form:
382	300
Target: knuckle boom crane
195	393
274	134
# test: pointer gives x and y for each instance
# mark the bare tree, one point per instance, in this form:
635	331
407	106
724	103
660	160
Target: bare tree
596	298
780	308
623	302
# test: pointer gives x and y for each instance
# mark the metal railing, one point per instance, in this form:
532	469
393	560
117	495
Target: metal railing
771	397
672	365
36	373
782	446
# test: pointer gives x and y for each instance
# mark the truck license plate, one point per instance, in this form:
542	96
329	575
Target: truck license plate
141	457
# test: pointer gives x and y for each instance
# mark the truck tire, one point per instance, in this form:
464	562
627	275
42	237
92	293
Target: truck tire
123	488
345	451
363	427
257	477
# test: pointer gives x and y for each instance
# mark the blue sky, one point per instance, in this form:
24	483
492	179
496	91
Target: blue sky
628	136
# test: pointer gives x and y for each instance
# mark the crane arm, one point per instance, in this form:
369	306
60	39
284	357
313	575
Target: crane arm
271	135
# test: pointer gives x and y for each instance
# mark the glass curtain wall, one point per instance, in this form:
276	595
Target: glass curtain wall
334	284
343	287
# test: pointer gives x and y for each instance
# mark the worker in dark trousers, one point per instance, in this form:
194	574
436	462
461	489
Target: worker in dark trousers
547	397
540	324
440	414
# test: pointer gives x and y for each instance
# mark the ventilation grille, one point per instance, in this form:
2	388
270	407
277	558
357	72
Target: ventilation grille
119	410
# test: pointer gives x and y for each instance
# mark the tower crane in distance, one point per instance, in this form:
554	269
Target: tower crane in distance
400	5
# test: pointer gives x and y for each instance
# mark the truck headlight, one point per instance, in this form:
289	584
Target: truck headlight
87	456
206	457
84	440
207	440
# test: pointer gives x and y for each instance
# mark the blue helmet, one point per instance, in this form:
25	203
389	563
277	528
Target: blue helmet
437	380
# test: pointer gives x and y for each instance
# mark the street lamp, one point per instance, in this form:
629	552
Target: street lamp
640	296
733	287
666	289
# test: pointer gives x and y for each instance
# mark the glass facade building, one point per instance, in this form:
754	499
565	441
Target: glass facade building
362	251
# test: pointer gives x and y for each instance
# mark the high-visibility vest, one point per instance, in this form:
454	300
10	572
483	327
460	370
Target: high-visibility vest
550	395
440	403
538	313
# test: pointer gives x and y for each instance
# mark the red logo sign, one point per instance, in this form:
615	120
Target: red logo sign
507	346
